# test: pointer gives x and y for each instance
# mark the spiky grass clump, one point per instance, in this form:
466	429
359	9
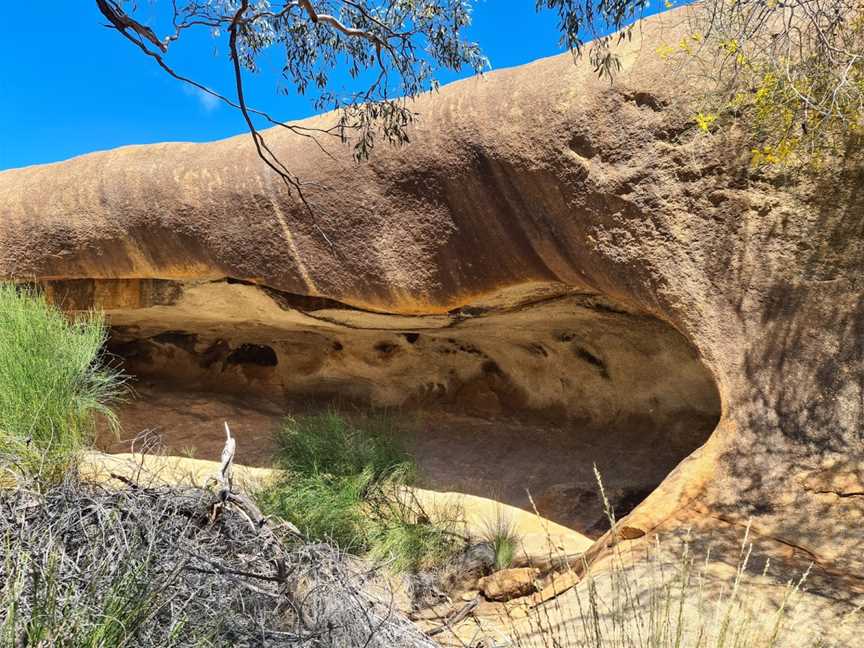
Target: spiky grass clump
322	506
329	443
53	382
407	534
500	533
347	483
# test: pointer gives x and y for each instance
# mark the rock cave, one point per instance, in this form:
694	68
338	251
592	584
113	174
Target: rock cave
523	391
553	272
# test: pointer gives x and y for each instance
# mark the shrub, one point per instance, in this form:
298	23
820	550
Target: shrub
322	507
329	443
85	566
409	545
347	483
411	537
53	382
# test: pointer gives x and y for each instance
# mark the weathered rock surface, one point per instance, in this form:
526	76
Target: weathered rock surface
508	584
536	185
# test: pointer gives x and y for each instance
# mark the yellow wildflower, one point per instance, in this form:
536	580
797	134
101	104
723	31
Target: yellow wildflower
705	120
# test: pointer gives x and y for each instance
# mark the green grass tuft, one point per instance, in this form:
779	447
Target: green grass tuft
347	483
411	545
501	534
322	506
329	443
53	382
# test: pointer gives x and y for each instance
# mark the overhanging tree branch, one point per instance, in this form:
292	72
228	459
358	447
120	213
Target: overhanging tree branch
403	41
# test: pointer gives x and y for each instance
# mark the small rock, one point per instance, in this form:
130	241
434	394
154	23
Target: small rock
508	583
470	595
630	533
518	612
624	533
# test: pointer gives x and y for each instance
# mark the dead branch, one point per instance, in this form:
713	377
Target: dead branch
455	618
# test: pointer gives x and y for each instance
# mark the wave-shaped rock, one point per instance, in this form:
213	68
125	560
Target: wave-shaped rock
740	292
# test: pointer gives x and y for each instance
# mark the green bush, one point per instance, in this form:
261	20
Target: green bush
322	507
53	382
405	533
328	443
346	483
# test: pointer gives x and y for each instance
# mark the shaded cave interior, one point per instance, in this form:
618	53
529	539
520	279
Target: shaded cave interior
526	391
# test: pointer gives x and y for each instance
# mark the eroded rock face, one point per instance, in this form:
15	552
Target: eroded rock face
523	392
539	176
551	355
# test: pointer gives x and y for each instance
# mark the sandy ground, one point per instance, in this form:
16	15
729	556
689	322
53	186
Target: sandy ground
501	459
469	460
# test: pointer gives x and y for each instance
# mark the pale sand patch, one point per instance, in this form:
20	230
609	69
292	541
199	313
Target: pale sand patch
539	537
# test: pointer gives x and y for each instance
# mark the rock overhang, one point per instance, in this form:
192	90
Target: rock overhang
539	175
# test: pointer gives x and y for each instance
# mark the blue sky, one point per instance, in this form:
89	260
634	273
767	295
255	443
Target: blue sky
70	86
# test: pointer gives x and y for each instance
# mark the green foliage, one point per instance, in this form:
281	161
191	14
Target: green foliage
392	50
594	19
323	506
331	444
501	534
787	76
408	545
53	382
401	530
348	484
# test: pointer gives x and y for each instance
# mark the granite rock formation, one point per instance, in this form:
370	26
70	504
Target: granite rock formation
548	244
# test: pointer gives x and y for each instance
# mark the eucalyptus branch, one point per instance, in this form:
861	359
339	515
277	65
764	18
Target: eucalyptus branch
403	43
